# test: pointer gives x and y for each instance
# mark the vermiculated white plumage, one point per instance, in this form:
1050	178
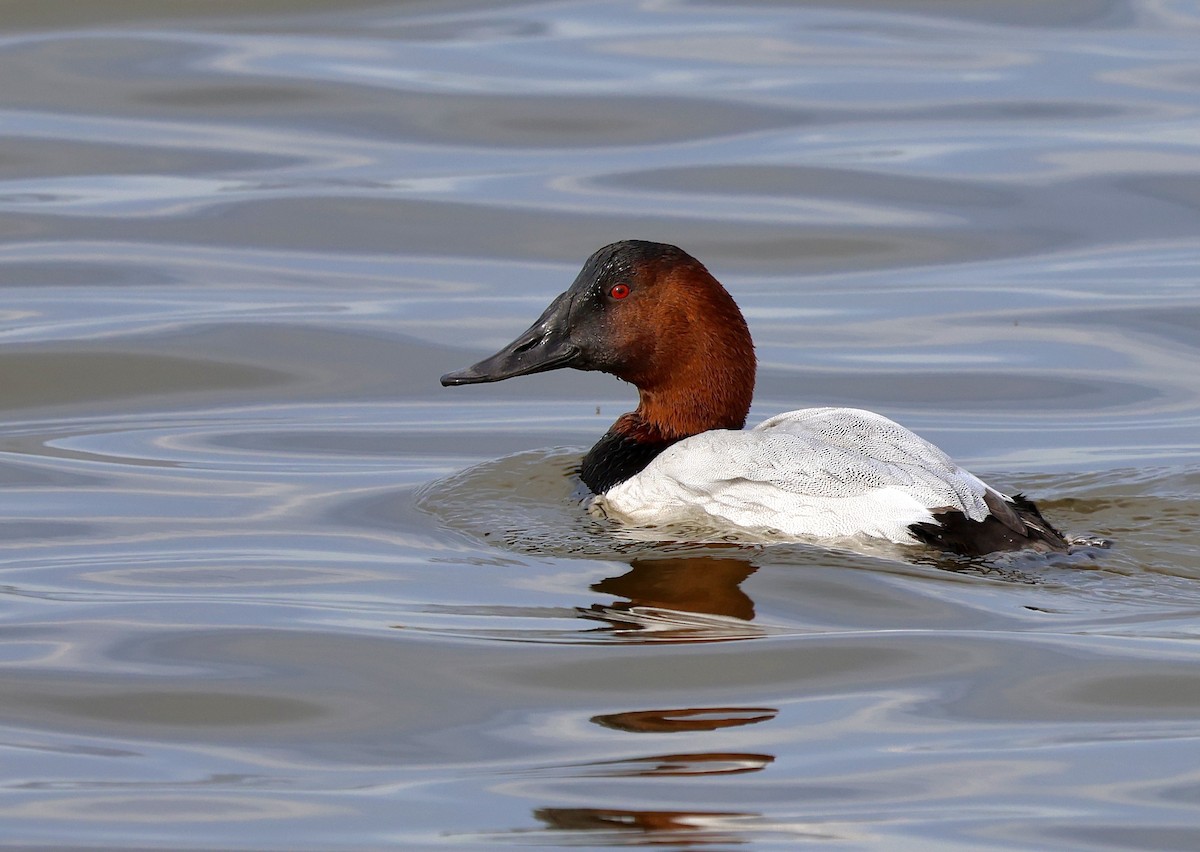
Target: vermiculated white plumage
812	473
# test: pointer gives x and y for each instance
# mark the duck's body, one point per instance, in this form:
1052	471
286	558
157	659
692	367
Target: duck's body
653	315
822	473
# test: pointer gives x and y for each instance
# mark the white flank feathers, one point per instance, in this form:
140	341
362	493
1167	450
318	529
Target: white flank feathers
812	473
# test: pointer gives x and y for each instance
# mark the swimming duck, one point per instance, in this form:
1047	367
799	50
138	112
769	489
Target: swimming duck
652	315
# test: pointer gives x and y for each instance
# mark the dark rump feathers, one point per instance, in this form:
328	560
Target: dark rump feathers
1011	526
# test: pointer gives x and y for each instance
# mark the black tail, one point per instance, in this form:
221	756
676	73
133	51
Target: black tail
1010	526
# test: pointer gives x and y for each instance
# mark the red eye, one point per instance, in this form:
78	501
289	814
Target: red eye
619	291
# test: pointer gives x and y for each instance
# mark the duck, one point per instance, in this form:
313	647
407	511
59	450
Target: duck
652	315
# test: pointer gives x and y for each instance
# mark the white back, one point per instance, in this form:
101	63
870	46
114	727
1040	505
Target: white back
812	473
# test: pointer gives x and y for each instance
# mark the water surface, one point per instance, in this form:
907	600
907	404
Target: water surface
267	585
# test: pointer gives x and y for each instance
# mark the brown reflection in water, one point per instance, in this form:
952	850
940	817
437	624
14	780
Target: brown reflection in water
681	721
699	763
680	828
687	719
656	589
703	584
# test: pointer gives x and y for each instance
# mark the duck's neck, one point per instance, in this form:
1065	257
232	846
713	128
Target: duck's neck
623	452
705	382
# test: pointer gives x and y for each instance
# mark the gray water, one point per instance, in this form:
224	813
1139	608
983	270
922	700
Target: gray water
266	585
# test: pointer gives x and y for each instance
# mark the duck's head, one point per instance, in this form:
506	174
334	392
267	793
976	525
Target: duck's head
650	314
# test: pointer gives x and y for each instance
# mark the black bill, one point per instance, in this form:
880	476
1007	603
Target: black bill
546	345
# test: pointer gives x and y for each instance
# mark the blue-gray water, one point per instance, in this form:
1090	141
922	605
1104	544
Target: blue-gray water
266	585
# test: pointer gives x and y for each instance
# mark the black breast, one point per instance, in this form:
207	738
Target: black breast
615	458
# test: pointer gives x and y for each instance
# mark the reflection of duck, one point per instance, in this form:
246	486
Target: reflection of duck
684	827
685	719
652	315
683	598
690	764
703	584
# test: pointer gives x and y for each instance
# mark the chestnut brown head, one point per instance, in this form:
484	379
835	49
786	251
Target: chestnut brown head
650	314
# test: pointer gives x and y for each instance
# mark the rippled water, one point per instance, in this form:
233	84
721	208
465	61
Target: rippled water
267	585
